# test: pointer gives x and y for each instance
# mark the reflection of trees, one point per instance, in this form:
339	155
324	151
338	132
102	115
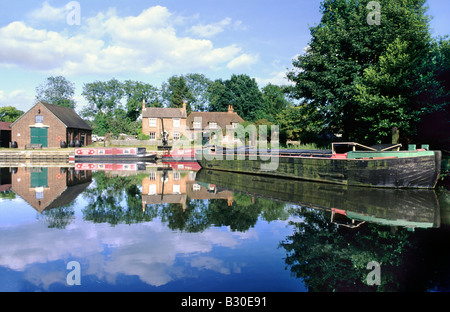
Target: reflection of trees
119	200
115	200
331	258
59	217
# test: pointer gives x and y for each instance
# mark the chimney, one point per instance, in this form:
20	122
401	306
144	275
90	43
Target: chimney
184	106
230	108
143	105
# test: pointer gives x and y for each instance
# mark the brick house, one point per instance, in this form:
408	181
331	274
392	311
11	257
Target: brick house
172	120
48	125
199	122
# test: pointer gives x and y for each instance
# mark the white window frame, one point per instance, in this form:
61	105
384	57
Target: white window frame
152	122
212	125
152	135
197	125
176	135
176	122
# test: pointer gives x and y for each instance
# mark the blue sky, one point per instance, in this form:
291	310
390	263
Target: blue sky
151	41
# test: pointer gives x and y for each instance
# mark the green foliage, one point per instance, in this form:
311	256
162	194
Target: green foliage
242	92
135	92
9	114
103	97
384	98
176	91
57	91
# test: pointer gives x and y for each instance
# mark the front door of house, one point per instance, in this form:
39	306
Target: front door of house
39	136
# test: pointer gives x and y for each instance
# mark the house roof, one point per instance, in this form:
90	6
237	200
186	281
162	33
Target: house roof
159	112
66	115
5	126
222	119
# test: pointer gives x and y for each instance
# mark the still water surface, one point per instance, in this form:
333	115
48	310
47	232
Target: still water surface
177	229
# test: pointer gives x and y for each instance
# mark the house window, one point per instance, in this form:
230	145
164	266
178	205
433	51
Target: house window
213	125
39	119
234	125
176	176
152	122
152	176
176	189
197	125
176	122
152	189
152	135
176	135
196	187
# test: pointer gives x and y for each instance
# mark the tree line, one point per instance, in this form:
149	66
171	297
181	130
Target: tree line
115	106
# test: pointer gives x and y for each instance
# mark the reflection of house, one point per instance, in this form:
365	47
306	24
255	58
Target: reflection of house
165	187
49	187
174	187
196	190
173	120
199	122
5	134
48	125
5	179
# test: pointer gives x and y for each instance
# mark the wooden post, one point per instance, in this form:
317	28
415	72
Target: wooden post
395	135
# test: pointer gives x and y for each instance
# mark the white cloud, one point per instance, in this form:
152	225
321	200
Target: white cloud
276	78
47	13
19	99
243	61
210	30
147	250
110	44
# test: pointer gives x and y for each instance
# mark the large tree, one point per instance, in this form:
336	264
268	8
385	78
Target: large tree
348	49
57	91
136	92
240	91
176	91
9	113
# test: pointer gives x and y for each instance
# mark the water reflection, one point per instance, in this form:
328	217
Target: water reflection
168	225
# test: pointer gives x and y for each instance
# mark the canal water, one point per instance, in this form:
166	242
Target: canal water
178	229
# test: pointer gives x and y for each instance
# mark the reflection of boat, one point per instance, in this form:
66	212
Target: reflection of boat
402	207
114	154
110	166
347	164
181	159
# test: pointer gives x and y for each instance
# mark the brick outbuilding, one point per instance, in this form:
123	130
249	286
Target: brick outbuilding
48	125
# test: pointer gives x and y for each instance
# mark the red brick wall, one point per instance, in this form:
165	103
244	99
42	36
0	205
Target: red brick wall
57	182
56	130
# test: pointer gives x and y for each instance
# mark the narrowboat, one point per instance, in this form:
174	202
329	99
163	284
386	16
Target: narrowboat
347	163
115	154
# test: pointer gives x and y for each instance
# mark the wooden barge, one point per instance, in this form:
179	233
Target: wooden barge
113	154
347	163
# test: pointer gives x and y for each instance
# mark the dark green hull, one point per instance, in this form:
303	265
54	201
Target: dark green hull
401	207
390	170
